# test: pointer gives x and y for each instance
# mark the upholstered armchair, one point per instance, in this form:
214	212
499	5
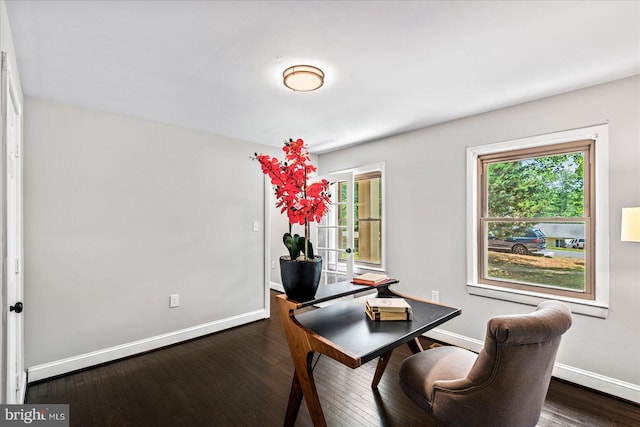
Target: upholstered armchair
504	385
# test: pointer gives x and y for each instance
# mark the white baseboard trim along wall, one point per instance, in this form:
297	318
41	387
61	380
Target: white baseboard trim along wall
74	363
612	386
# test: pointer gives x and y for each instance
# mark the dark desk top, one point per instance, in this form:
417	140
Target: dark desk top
338	290
347	326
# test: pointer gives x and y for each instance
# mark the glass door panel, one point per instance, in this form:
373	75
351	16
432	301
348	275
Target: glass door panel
334	234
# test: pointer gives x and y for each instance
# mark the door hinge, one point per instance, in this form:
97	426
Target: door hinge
17	265
17	150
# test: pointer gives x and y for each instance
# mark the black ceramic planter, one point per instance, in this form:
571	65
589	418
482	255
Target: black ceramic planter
300	279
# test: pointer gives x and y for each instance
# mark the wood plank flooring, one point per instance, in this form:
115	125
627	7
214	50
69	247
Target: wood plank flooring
241	377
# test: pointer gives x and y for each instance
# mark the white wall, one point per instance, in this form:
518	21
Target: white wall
426	211
278	225
119	214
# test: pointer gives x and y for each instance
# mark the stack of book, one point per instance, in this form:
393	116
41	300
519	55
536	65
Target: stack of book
379	309
371	279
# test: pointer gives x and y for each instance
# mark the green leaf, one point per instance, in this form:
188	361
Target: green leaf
309	248
292	245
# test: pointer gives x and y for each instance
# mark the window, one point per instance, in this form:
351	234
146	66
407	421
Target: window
533	203
538	220
367	227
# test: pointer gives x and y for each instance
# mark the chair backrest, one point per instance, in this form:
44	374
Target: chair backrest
509	380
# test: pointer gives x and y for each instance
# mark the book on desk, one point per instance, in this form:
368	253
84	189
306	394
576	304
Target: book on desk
371	279
381	309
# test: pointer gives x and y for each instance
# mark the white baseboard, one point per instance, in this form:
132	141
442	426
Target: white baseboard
276	287
455	339
598	382
82	361
604	384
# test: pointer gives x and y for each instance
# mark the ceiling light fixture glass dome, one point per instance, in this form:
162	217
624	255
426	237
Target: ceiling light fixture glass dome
303	78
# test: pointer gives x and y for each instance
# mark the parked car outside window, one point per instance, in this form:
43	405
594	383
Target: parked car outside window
521	242
578	243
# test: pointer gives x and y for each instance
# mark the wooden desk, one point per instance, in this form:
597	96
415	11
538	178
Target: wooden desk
344	332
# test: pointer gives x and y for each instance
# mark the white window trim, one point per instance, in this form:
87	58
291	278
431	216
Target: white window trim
360	268
596	308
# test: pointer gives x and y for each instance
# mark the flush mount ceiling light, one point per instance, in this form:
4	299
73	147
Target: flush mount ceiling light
303	78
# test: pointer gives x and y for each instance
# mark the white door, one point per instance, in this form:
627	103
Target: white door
11	141
334	234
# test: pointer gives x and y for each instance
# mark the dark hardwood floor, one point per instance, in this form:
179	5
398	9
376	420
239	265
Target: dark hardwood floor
241	377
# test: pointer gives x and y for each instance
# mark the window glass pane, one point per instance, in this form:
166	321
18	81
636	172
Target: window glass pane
550	254
549	186
341	210
322	239
367	217
369	247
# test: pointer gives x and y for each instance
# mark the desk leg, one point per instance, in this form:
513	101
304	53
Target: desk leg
415	346
305	380
302	355
295	399
382	365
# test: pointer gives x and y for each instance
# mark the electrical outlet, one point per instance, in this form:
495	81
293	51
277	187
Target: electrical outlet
255	226
174	300
273	265
435	296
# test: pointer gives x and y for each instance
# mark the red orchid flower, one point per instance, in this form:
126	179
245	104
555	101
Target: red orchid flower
303	202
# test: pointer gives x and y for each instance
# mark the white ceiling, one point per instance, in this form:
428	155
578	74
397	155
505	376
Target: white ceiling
390	66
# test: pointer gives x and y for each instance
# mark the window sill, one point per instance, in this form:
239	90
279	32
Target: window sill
578	306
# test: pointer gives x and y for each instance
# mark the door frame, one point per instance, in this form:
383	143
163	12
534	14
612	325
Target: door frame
14	374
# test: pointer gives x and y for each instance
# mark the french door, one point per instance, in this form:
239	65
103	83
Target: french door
334	234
